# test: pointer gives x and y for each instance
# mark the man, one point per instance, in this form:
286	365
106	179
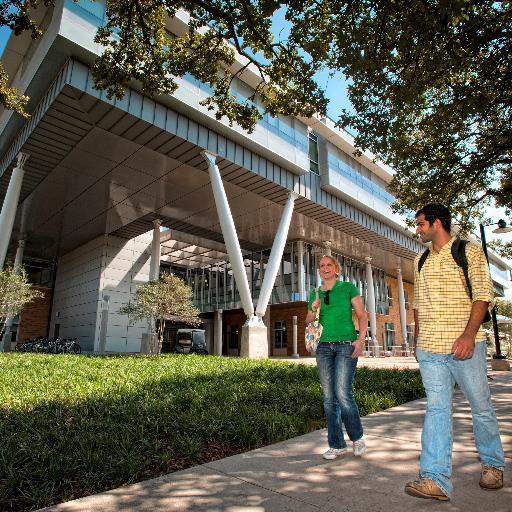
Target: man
450	348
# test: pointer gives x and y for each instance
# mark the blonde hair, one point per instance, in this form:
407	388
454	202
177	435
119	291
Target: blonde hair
337	268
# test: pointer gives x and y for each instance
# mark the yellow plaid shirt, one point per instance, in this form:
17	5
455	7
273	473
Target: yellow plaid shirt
441	296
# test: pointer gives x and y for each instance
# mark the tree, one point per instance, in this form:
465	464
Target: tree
431	82
504	307
15	292
432	91
17	15
138	46
162	300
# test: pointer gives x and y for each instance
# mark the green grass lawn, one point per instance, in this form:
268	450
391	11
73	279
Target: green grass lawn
76	425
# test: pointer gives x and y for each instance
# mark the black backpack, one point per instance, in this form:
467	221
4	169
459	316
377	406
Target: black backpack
459	256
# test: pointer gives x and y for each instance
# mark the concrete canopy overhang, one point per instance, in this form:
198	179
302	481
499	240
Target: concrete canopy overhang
101	166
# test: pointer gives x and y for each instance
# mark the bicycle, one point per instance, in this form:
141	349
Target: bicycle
71	346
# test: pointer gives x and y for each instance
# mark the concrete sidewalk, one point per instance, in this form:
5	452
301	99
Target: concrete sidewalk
292	476
370	362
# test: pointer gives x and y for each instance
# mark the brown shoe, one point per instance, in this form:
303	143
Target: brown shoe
491	478
425	488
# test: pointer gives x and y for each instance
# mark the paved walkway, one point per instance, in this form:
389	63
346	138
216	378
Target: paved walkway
371	362
292	476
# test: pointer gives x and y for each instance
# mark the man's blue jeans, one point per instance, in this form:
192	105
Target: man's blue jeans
337	369
439	373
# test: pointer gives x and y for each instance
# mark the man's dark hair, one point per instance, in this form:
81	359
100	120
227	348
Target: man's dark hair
435	211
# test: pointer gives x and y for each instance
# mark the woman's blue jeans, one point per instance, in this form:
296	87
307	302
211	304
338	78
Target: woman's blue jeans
439	373
337	369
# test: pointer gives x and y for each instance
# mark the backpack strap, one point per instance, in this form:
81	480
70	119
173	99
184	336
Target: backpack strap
459	255
422	259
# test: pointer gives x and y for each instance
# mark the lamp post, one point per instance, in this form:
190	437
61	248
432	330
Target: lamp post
502	228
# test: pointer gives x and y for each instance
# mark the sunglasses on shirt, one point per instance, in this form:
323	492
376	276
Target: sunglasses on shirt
326	297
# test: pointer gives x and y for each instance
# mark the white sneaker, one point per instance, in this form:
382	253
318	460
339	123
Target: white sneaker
359	447
333	453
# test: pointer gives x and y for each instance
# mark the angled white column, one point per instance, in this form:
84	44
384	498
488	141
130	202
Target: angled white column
10	206
6	340
229	233
403	313
156	251
370	304
276	255
217	333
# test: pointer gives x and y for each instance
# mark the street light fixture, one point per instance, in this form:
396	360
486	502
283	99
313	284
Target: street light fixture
502	228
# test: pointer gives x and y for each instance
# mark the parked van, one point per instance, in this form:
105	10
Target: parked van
190	341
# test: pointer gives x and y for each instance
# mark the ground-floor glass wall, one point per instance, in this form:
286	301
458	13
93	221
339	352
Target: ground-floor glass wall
214	286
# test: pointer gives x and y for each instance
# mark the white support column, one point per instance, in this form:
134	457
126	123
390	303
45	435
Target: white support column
295	353
276	255
18	260
232	285
154	274
307	268
156	252
370	304
6	340
270	339
10	206
229	232
403	313
300	269
217	333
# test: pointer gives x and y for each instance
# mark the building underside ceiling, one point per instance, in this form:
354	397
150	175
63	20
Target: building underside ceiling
96	170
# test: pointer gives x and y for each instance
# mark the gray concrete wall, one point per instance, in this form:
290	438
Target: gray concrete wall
125	267
76	296
92	283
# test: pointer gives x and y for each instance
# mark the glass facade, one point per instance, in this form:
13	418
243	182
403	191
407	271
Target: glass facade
313	153
214	286
389	336
280	336
346	166
39	272
95	8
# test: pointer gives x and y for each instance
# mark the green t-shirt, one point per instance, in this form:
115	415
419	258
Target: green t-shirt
336	317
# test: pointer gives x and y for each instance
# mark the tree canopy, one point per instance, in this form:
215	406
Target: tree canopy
430	82
17	15
15	292
169	298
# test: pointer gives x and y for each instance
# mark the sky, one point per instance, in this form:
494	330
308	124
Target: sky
4	35
337	94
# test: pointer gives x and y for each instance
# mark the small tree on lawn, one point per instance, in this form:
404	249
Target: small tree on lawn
169	297
15	292
504	307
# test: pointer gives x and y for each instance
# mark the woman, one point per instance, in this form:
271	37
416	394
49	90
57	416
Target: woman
337	354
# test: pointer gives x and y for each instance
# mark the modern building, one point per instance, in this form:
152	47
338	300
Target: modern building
100	194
